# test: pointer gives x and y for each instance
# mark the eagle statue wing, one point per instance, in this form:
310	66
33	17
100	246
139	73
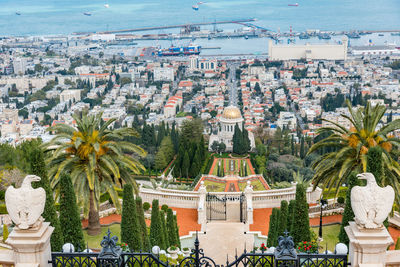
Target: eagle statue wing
37	205
358	204
13	198
383	209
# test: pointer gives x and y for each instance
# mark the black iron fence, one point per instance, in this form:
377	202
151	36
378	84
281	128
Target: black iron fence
112	256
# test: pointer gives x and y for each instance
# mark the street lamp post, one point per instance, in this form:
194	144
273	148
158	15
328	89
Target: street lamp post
323	204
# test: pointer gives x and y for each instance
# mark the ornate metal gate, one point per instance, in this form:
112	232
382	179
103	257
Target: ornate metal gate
216	207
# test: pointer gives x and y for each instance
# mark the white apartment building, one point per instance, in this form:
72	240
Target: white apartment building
164	74
73	95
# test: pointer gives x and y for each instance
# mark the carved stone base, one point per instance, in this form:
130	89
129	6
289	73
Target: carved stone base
31	247
367	246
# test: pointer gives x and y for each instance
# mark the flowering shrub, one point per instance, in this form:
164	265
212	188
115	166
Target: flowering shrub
307	247
263	247
124	247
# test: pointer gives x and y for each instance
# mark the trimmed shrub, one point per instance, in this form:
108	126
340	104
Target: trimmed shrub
340	200
171	228
130	229
301	229
348	213
164	208
164	229
3	209
142	225
146	206
177	231
5	232
38	167
156	233
282	226
70	221
273	227
289	224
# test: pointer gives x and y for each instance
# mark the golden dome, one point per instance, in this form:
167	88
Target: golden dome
231	112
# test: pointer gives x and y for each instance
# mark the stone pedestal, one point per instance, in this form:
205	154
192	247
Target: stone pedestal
367	246
32	246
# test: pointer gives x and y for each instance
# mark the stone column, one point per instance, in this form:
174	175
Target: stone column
201	209
367	246
31	246
248	191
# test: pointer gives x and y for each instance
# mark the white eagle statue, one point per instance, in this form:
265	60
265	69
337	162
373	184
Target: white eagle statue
25	205
371	204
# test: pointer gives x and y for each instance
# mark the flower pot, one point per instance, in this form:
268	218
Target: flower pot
186	253
173	253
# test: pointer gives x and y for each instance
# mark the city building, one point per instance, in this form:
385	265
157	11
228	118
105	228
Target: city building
73	95
307	51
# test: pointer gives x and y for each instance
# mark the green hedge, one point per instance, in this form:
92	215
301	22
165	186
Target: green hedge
3	209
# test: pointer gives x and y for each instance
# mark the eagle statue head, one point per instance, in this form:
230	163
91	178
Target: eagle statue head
366	176
25	205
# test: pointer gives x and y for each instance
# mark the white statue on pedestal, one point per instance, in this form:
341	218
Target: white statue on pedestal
371	204
25	205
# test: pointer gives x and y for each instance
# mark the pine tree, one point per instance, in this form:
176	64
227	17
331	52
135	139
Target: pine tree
283	218
130	229
348	214
142	225
289	224
38	167
69	214
156	233
301	227
164	230
177	231
171	228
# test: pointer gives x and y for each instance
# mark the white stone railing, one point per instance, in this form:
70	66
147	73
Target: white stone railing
172	198
273	198
190	199
6	257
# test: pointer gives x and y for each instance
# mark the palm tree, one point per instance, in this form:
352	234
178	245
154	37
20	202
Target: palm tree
350	147
97	159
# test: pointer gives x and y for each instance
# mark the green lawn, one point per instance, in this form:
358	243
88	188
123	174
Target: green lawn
237	165
94	241
214	186
256	183
330	235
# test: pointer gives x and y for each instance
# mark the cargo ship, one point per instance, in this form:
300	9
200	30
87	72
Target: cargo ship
180	51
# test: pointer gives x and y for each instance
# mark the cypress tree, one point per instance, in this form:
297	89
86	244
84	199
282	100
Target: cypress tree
142	225
245	141
38	167
130	229
156	233
272	228
277	220
302	149
185	164
164	230
301	229
171	228
292	145
177	231
69	214
348	214
374	164
289	224
283	218
196	165
237	140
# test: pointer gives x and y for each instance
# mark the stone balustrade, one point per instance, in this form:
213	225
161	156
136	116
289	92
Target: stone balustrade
172	198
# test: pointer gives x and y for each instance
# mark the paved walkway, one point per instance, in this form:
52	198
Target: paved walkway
224	238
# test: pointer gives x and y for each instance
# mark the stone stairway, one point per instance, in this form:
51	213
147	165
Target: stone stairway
225	238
